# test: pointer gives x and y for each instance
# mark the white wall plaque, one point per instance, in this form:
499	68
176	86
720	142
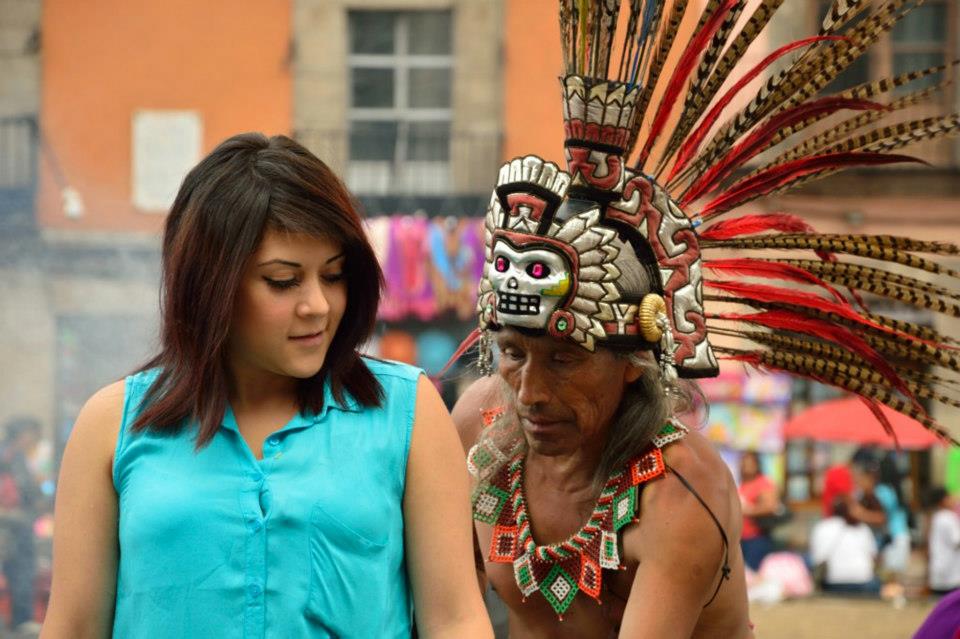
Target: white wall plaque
166	145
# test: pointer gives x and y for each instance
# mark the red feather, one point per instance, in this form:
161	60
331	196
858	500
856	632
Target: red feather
764	293
688	60
756	141
840	335
465	345
692	145
874	407
788	172
747	358
752	224
749	267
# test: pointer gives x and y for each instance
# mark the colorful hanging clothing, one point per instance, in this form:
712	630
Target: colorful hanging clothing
453	263
408	289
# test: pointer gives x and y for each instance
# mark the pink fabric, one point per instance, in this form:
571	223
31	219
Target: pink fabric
408	289
787	569
837	481
750	491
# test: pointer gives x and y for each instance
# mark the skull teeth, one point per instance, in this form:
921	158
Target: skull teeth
513	304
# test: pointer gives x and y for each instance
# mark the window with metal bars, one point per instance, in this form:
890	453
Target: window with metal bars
401	68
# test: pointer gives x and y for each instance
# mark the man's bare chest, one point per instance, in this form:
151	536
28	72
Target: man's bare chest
584	617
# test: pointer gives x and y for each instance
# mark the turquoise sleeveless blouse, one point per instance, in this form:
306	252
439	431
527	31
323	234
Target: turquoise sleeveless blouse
307	542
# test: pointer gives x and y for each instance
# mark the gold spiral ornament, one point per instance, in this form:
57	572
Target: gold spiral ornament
650	308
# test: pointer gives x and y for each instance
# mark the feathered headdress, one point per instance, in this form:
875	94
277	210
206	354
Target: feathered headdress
658	182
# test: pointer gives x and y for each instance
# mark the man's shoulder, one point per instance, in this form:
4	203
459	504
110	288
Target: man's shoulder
694	457
468	413
696	476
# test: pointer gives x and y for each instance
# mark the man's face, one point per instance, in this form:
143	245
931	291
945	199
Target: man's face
565	396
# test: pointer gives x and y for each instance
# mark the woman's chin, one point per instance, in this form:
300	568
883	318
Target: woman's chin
302	369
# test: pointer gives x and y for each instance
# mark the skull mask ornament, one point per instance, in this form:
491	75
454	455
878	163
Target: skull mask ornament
531	283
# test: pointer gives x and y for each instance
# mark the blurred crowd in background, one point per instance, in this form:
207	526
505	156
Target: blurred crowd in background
862	540
105	105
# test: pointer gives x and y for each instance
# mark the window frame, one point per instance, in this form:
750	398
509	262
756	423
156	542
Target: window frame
401	62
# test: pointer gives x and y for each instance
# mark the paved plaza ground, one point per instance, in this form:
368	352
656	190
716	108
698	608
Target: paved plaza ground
832	618
811	618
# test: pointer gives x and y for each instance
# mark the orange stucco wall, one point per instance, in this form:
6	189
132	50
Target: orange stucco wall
104	60
532	66
531	91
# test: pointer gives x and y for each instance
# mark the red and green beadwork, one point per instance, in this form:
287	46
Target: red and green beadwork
559	589
560	570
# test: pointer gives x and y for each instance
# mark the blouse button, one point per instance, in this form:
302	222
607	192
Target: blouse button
273	441
255	590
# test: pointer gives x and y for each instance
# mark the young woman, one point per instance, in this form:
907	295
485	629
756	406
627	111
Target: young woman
259	478
758	498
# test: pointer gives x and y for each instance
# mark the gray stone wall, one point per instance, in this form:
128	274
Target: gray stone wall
19	57
321	82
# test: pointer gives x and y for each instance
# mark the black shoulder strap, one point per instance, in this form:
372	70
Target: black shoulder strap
725	569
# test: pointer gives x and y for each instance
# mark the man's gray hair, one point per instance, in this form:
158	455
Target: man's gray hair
644	410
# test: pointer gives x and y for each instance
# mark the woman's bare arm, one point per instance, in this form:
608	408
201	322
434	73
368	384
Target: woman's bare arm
438	527
85	534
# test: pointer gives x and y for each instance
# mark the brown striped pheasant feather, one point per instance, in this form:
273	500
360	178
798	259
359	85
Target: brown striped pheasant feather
802	298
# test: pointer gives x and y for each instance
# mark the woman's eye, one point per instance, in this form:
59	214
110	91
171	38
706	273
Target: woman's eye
333	278
281	285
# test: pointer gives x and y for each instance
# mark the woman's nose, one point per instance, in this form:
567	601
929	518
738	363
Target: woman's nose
314	302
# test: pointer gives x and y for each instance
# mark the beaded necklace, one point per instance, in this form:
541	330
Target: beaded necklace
560	570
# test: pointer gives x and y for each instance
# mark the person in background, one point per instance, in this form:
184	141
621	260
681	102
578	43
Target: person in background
21	500
866	507
758	498
849	550
259	477
837	482
896	551
943	544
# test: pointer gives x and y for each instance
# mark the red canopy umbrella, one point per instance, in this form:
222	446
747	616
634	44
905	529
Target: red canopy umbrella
849	420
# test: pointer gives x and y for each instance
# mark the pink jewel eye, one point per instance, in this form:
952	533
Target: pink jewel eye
538	270
501	264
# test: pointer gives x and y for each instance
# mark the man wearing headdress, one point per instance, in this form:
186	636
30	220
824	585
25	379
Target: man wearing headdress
597	511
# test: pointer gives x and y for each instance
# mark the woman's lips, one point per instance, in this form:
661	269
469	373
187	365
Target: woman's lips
312	339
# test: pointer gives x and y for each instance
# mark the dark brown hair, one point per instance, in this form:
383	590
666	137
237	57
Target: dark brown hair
247	184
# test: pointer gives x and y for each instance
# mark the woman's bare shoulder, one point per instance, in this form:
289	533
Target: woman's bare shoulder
98	424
